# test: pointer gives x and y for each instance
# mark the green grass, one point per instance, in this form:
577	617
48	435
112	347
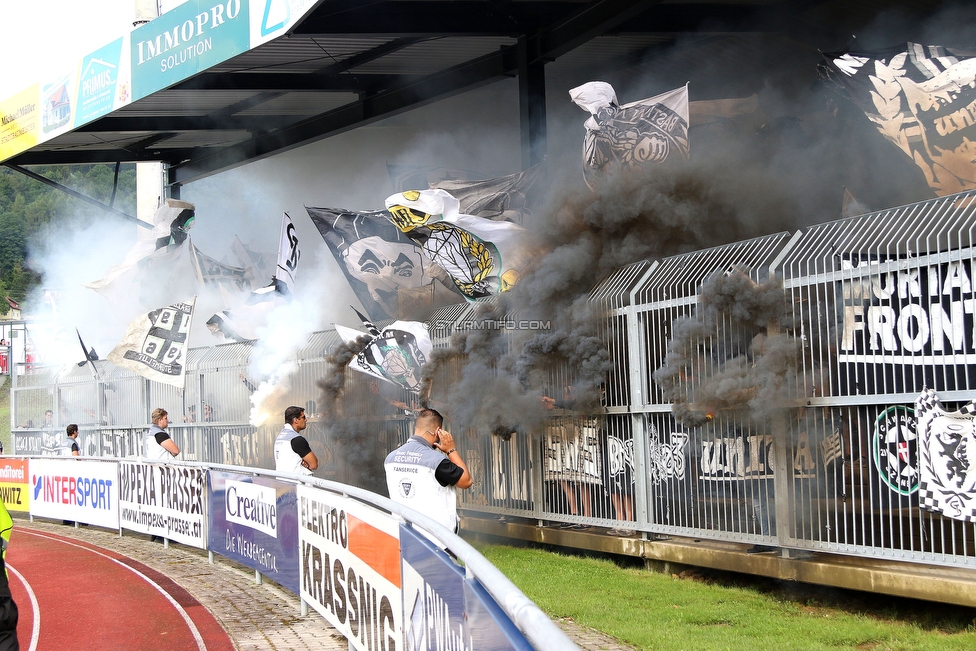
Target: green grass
717	611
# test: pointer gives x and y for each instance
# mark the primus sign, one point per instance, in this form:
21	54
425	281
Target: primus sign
896	315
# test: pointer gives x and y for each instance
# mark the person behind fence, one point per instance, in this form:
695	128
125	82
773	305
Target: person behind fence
69	447
291	450
425	472
159	446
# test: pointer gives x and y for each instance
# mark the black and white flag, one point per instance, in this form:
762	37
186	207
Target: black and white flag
506	198
947	447
376	258
921	98
288	255
631	136
155	344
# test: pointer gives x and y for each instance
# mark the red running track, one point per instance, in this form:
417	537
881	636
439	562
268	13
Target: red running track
73	596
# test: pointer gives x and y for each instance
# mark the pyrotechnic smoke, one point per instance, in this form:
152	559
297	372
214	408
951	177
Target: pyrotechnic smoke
334	382
730	356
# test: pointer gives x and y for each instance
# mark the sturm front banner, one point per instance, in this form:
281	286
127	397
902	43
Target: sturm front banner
901	322
254	521
163	500
350	568
70	489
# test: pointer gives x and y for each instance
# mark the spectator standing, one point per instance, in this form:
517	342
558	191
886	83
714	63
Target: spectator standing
69	447
291	450
425	472
159	446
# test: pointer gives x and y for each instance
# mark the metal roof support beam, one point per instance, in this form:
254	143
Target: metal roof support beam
532	107
544	46
76	194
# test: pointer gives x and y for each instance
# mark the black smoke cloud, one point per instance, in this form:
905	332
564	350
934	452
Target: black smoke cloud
731	358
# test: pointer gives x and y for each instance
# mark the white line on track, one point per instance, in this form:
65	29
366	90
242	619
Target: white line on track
36	629
201	645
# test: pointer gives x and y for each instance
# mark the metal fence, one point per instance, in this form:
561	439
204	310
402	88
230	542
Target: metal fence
798	431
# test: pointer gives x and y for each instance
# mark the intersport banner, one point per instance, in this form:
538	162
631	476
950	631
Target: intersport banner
73	489
164	500
350	568
254	521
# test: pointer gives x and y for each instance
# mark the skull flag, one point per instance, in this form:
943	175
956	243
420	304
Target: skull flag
376	258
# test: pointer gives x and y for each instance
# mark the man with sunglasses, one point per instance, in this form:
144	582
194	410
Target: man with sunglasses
291	450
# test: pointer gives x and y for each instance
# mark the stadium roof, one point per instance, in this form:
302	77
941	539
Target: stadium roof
341	64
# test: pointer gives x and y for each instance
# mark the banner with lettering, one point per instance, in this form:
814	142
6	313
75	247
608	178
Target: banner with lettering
444	610
905	325
14	488
254	521
350	555
73	489
164	500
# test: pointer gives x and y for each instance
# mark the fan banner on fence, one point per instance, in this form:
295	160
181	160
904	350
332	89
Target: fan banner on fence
506	198
155	343
921	98
572	450
902	320
482	257
628	137
376	258
396	354
947	450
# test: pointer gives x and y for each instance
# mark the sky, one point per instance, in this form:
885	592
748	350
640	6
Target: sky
44	37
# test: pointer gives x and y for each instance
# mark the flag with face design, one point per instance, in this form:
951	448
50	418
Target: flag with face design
376	258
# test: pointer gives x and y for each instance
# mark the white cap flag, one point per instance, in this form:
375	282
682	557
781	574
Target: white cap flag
288	255
155	344
631	136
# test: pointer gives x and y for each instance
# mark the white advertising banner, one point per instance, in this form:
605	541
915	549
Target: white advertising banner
350	568
164	500
73	489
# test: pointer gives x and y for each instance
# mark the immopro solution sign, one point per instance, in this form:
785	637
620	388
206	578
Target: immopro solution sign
192	37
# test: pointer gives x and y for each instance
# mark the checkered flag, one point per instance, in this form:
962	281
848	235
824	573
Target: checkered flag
155	343
947	450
